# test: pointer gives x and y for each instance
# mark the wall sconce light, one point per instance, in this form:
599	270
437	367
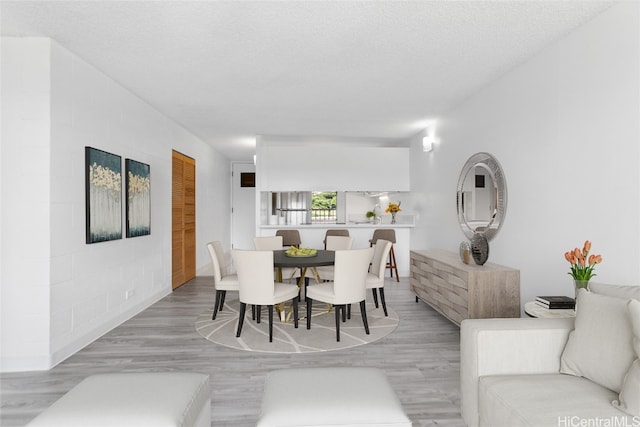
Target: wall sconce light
427	144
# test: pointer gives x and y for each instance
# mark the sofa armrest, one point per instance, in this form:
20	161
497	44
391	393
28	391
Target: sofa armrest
507	346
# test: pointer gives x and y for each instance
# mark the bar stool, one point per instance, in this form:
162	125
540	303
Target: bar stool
390	235
334	233
290	237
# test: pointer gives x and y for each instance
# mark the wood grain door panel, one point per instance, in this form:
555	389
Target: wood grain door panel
183	219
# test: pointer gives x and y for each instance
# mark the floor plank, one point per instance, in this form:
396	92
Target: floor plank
421	359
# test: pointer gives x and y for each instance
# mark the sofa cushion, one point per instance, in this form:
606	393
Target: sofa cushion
545	400
629	400
620	291
338	396
600	347
145	399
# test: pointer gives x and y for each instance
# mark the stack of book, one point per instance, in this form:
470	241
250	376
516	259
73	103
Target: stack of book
556	302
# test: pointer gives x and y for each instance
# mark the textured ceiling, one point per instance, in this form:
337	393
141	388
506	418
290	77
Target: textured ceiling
230	70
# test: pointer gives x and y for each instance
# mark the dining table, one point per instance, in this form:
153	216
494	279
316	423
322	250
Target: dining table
283	260
321	258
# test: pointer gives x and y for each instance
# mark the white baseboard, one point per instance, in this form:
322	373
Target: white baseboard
81	342
44	363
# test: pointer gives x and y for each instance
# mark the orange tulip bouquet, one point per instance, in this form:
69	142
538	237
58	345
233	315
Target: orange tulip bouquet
582	264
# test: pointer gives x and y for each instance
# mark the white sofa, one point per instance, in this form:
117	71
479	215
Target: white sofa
556	372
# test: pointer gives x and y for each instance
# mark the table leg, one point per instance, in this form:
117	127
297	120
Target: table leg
315	274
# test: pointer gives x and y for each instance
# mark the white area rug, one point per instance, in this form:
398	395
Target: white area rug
287	339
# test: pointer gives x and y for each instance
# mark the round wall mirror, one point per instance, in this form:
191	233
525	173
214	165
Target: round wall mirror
481	196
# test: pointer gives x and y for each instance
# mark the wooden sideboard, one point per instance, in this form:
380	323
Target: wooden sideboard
460	291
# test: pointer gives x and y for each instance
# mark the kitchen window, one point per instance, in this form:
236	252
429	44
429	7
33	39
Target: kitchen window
323	207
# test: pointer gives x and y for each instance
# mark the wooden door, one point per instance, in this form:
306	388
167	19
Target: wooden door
183	219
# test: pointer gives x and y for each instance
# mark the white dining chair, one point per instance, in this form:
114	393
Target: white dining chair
258	286
375	278
388	234
268	243
275	243
333	243
222	280
333	232
348	286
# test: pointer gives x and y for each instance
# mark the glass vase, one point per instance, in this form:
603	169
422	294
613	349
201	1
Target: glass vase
393	218
580	284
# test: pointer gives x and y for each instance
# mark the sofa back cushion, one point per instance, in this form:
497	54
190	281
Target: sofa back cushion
620	291
629	400
600	347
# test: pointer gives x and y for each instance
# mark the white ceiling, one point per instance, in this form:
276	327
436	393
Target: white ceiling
230	70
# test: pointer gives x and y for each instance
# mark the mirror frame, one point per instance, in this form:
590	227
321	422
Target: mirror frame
491	164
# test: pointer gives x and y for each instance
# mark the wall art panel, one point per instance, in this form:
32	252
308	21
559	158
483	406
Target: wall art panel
138	198
103	186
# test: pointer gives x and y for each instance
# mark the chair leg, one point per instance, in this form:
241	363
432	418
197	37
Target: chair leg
348	313
393	265
375	296
295	312
259	310
224	295
216	305
363	310
300	284
309	302
384	303
344	313
270	309
243	307
253	312
337	309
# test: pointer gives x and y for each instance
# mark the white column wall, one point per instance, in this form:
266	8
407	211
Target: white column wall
25	170
565	127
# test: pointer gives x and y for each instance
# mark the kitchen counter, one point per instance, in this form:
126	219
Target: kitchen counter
330	225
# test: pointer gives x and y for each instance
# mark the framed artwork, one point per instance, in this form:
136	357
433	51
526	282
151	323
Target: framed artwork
138	184
103	187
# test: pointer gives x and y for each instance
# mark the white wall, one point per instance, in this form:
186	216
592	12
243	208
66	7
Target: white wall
87	283
565	127
330	165
25	170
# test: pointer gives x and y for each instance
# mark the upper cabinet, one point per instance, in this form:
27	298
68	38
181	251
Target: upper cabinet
320	167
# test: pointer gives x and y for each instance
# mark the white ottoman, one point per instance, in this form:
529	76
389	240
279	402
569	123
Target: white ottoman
145	399
330	397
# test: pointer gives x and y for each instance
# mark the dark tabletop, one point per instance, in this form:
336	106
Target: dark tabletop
322	258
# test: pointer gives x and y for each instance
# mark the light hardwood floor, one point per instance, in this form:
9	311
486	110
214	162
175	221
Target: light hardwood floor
421	359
